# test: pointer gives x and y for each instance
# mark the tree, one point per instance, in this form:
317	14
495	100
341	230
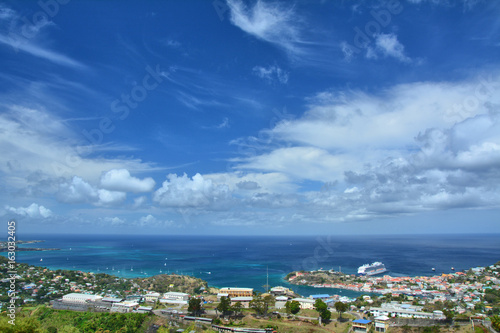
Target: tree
495	322
341	307
320	306
326	315
194	306
449	314
236	308
322	309
292	307
261	304
224	306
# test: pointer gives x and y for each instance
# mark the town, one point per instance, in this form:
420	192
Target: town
164	303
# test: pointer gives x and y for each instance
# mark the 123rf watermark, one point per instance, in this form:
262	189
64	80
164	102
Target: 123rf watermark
11	273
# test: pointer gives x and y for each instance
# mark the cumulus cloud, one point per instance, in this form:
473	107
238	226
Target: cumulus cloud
115	221
411	148
196	192
121	180
271	74
150	220
34	211
79	191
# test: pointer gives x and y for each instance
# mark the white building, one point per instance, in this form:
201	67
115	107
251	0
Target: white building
125	306
175	298
152	297
305	303
80	298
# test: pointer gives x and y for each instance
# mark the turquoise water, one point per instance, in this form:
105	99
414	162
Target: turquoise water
247	261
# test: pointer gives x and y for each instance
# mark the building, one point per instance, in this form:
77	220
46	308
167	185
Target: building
280	302
125	306
144	309
244	300
361	325
305	303
172	295
404	313
381	323
175	298
320	296
111	300
151	297
279	291
79	298
236	292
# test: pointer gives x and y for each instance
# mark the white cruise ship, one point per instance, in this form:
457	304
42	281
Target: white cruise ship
372	269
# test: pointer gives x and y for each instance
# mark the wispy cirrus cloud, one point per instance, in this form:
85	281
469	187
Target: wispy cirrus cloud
19	34
271	74
272	22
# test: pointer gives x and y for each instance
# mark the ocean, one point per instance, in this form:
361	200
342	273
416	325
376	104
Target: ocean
251	261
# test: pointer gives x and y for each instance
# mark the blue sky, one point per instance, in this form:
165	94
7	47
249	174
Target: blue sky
250	117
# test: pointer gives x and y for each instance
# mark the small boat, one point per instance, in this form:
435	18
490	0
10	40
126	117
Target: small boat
453	268
433	269
41	259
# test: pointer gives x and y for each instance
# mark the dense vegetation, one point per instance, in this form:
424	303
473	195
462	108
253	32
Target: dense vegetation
163	283
46	320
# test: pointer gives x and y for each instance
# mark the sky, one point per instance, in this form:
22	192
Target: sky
250	117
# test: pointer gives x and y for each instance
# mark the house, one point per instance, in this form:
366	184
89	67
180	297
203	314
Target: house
152	297
381	323
305	303
361	325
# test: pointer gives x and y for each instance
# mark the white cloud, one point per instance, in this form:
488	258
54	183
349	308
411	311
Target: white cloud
272	22
23	36
77	191
139	201
25	134
415	147
34	211
152	221
121	180
301	163
110	198
197	192
271	74
389	46
115	221
80	191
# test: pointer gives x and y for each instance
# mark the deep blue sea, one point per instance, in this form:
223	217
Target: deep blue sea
246	261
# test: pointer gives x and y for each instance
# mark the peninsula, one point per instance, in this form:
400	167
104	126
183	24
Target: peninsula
4	246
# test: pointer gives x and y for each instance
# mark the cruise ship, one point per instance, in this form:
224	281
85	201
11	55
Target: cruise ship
372	269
